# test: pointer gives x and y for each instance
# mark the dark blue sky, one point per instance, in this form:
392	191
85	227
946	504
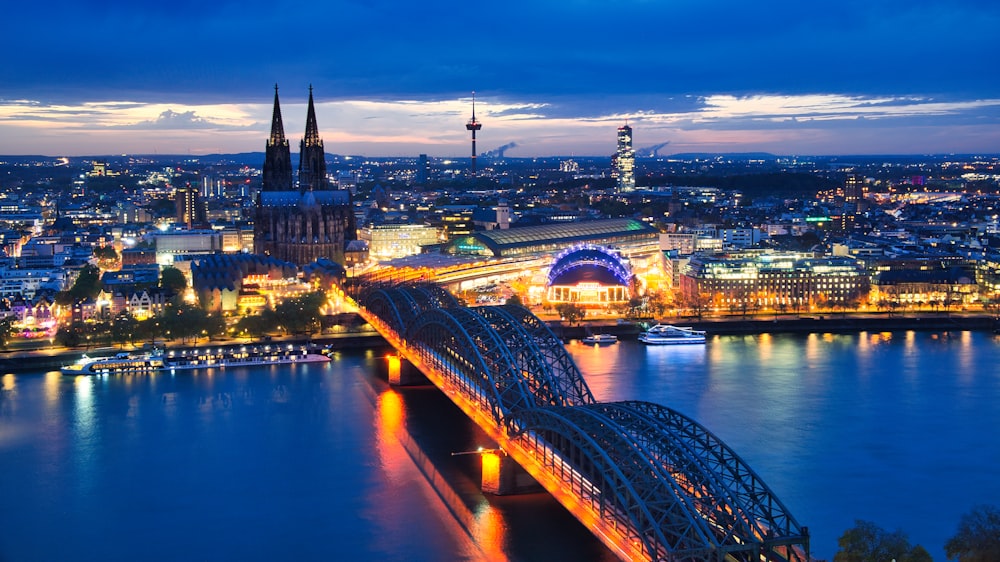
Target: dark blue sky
556	77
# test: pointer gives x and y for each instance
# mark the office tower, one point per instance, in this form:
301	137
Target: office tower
423	170
192	210
623	163
855	192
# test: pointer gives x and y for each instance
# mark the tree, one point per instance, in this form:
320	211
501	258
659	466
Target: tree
515	300
978	536
866	542
87	285
570	311
6	327
173	280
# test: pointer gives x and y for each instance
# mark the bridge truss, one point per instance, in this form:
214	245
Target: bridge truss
652	483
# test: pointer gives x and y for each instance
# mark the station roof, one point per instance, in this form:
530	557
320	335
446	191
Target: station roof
500	242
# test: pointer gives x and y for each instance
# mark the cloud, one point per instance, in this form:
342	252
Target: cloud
174	120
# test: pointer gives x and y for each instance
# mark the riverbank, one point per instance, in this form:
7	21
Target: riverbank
50	358
791	324
54	358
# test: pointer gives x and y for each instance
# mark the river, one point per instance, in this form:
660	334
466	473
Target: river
325	462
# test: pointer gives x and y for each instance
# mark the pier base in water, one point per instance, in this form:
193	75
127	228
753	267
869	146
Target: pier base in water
402	373
502	476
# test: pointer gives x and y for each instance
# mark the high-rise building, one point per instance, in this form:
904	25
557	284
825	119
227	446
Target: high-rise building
855	192
623	162
305	224
192	210
423	174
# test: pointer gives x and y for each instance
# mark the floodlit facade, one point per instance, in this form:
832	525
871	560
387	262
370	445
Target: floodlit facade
624	160
790	281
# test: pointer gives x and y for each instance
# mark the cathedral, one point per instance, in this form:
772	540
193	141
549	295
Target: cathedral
302	223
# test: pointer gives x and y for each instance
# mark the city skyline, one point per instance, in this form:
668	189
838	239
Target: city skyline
556	78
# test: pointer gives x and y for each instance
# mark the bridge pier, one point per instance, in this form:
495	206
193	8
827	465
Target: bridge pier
401	372
502	476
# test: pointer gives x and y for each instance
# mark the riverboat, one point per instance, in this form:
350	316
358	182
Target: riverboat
665	334
207	358
600	339
122	363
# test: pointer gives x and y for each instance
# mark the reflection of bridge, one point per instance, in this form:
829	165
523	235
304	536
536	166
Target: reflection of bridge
651	483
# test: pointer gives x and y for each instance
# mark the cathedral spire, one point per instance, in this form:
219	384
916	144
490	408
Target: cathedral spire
277	174
312	130
277	127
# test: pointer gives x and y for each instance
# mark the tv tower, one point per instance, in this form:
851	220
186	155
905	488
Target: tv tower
473	126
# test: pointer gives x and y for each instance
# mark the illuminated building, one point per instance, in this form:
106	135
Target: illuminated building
855	191
192	210
623	163
387	241
773	281
304	224
589	275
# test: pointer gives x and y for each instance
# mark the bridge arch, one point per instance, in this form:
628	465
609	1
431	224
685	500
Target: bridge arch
546	363
473	354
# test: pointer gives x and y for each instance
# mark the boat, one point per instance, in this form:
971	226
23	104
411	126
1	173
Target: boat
121	363
665	334
189	359
243	356
600	339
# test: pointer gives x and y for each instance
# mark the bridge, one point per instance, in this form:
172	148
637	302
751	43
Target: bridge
650	482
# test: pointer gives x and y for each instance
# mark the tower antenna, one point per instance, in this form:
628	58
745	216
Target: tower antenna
473	126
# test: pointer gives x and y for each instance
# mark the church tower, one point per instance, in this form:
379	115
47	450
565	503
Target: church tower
277	174
312	157
305	224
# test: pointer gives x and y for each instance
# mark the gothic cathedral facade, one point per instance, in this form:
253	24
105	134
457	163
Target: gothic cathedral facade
300	224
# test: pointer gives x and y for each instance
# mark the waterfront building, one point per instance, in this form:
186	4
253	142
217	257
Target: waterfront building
312	221
944	287
623	162
793	281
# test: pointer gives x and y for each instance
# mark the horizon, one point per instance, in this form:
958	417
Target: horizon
552	77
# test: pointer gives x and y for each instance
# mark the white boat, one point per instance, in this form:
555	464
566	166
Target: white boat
600	339
665	334
189	359
122	363
206	358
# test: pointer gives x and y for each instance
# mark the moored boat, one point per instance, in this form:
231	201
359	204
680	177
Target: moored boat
600	339
122	363
665	334
239	357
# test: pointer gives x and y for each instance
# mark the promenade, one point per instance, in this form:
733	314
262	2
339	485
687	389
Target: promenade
43	356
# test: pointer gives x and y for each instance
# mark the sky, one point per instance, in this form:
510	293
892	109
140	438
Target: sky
87	77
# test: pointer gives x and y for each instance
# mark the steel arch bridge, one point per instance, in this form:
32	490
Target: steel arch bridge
650	482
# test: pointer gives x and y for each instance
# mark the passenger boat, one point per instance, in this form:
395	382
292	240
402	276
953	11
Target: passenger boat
206	358
665	334
122	363
600	339
188	359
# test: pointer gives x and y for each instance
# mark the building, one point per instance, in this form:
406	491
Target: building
623	162
388	241
777	282
192	209
312	221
